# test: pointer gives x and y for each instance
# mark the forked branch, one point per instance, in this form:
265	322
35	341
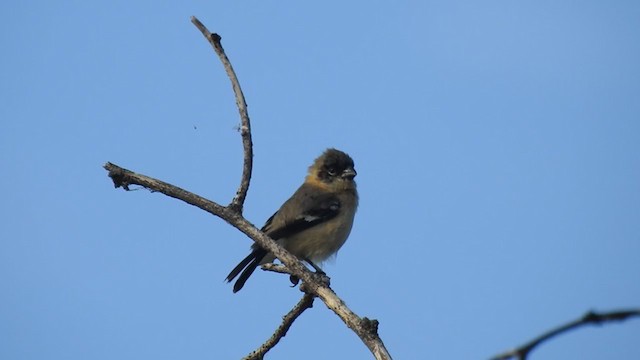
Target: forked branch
313	285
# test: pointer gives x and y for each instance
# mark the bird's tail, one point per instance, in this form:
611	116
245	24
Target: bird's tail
247	266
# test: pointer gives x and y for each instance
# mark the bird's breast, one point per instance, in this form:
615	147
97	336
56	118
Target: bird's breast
322	241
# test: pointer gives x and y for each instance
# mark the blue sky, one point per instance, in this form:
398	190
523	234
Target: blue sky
497	145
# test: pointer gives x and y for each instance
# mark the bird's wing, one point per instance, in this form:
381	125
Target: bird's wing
308	207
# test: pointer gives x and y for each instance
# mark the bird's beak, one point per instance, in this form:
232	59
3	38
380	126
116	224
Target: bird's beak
349	173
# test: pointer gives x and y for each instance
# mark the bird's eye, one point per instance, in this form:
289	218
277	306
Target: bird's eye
332	171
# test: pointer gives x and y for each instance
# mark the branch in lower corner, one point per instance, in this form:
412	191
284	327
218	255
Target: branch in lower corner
523	351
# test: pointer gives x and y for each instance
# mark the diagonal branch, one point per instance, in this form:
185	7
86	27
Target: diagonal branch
314	283
123	178
245	125
305	303
590	317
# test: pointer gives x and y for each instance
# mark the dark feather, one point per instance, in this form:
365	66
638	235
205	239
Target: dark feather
324	212
248	265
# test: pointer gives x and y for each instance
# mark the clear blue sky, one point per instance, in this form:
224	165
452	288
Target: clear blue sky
497	145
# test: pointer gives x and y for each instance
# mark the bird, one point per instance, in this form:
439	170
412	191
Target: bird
315	221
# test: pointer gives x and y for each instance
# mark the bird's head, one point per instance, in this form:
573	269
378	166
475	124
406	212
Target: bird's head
333	169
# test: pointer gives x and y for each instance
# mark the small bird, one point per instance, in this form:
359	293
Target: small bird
316	220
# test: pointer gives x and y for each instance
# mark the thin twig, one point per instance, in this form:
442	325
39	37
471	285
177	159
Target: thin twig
276	268
123	178
245	125
305	303
590	317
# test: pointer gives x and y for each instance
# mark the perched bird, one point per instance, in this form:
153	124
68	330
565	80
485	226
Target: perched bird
316	220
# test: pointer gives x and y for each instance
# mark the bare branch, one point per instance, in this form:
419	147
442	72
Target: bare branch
305	303
313	284
590	317
123	178
245	125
